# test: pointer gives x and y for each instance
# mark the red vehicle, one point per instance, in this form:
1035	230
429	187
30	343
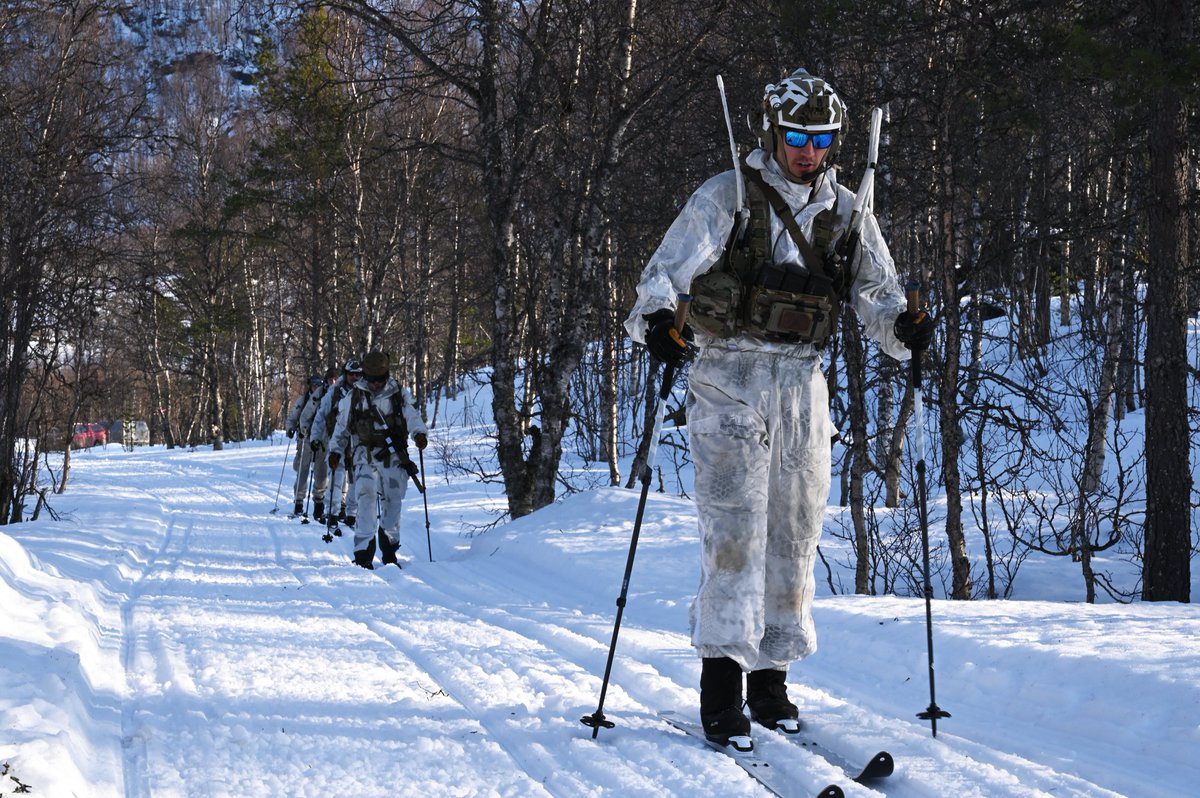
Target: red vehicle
85	436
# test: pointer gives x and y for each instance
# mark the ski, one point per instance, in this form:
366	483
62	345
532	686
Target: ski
879	767
754	763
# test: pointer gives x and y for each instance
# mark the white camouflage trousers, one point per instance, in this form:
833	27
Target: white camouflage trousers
760	439
380	490
301	462
341	491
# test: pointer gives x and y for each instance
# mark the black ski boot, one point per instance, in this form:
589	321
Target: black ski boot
298	510
364	558
721	704
349	521
387	549
766	695
319	511
342	512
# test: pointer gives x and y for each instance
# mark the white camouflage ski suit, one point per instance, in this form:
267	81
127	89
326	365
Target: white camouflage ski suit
379	475
299	421
341	486
759	426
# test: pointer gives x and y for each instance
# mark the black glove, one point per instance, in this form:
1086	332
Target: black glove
667	344
915	330
291	433
420	440
316	446
334	459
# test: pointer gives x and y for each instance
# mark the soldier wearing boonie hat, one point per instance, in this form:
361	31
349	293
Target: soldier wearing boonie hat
375	419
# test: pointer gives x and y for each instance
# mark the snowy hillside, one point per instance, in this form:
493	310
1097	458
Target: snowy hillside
171	636
173	35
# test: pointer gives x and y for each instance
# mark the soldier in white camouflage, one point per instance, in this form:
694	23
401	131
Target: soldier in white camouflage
299	421
757	405
375	419
341	499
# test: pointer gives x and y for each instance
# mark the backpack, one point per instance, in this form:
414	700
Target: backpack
339	391
363	415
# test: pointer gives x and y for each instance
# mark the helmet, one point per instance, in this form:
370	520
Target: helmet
353	366
806	102
315	380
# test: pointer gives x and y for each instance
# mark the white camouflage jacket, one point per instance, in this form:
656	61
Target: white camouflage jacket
301	415
696	239
388	395
321	423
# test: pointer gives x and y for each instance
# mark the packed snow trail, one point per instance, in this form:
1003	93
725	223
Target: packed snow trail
254	659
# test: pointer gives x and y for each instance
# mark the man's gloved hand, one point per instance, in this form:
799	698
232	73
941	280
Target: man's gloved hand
291	433
420	440
411	468
334	459
915	330
664	342
316	446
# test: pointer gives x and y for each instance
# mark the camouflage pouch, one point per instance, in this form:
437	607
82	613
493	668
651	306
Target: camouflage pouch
716	303
793	318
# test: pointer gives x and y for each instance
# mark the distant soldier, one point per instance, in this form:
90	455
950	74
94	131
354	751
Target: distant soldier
298	422
375	419
340	494
316	445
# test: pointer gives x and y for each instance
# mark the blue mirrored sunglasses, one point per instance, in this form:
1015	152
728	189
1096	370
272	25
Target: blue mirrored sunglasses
798	138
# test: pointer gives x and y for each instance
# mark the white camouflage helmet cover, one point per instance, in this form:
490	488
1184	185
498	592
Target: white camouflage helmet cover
804	102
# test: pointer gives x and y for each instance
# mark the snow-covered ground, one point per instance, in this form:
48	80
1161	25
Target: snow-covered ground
171	636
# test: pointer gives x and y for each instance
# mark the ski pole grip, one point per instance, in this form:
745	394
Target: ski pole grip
682	308
912	292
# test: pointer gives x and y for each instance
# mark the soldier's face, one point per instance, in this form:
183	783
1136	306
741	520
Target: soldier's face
799	161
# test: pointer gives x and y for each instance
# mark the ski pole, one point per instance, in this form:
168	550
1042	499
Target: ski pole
425	499
597	719
741	213
328	536
287	450
308	490
332	478
933	712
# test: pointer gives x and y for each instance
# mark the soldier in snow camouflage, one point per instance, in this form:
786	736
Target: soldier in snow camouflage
757	406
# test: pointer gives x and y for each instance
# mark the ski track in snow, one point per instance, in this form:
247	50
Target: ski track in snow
454	661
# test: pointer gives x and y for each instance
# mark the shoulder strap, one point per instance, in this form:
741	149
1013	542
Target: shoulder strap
339	391
812	259
825	227
359	406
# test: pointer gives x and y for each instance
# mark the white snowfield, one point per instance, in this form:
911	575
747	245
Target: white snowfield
170	636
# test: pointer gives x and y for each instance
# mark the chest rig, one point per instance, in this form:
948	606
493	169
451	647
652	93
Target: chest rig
365	417
748	293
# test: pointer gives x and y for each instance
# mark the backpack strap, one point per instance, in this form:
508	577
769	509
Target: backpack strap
812	258
339	391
